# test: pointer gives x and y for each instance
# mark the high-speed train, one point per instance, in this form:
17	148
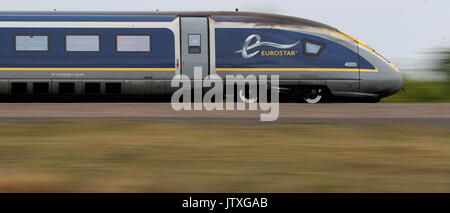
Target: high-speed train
138	53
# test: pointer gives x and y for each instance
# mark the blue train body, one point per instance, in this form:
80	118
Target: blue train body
228	40
162	53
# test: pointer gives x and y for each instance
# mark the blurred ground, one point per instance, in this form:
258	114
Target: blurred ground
124	147
288	111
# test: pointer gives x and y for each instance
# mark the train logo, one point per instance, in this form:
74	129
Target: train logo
246	47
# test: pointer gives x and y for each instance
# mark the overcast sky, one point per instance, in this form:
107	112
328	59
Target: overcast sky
400	29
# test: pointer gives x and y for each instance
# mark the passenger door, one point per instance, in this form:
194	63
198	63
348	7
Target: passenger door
194	46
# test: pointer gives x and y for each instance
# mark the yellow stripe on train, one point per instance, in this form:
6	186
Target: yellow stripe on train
82	69
296	69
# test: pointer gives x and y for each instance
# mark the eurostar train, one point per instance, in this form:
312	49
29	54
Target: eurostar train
137	54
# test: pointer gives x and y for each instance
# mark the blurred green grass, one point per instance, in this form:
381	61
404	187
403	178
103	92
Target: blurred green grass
421	92
426	91
222	156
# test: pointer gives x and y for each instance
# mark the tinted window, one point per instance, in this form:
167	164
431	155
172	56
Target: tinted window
82	43
194	41
19	87
133	43
31	43
312	48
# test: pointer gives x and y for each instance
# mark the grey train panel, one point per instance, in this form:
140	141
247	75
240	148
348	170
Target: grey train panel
160	87
343	85
4	87
136	87
385	82
191	26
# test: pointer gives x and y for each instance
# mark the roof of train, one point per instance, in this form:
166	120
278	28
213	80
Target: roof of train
219	16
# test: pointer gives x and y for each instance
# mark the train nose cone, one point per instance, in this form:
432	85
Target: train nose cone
397	82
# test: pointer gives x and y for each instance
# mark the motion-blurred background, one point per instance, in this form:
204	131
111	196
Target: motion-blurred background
147	147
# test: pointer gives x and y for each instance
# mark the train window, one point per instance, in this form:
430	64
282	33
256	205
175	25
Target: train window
19	87
312	48
133	43
194	43
82	43
31	43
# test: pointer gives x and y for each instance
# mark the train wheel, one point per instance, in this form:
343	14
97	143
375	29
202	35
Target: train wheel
312	95
245	97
